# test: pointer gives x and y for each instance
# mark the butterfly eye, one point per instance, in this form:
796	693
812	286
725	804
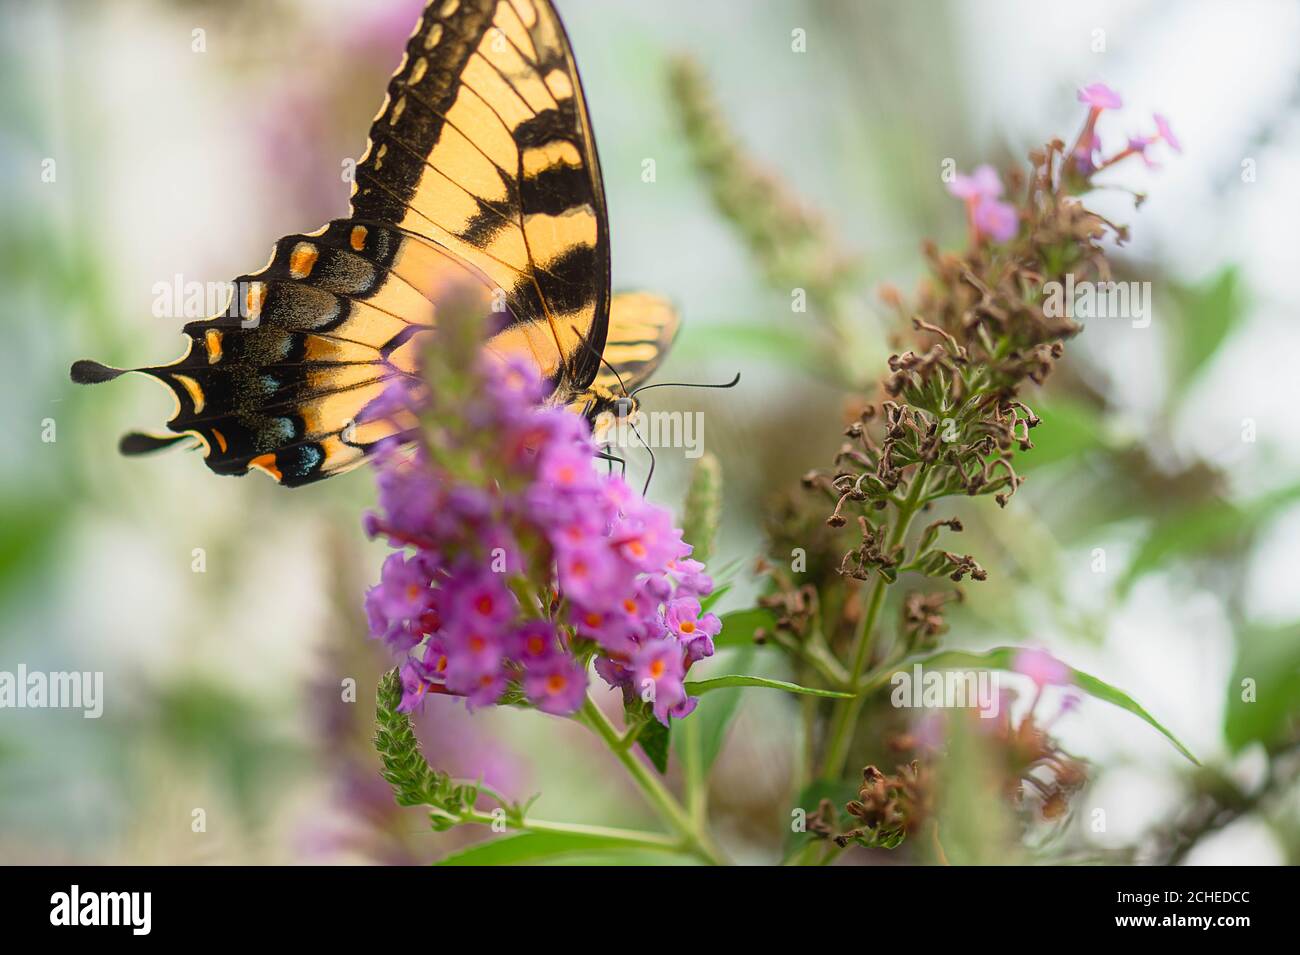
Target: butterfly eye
623	407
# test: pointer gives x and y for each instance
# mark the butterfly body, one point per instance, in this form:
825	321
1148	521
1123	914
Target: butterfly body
481	172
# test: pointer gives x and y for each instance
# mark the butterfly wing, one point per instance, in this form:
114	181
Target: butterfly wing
481	165
642	327
483	146
280	380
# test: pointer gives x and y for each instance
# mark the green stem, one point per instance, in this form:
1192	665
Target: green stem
656	793
817	655
696	783
631	837
847	711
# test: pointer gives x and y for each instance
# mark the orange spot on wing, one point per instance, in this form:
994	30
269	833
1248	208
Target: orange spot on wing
266	462
254	299
301	260
221	440
213	339
193	389
358	237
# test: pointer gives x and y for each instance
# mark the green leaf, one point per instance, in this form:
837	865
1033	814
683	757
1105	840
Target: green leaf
653	740
736	679
714	713
1270	657
1210	312
1068	429
1203	529
709	602
725	575
781	345
531	847
1003	658
738	626
652	736
622	858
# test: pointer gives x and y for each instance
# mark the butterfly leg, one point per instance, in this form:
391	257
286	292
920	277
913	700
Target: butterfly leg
611	459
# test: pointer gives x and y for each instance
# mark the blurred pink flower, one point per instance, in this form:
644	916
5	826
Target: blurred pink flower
1043	668
1140	146
996	219
1099	96
983	183
1164	132
987	216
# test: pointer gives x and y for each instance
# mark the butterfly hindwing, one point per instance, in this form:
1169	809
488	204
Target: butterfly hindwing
642	327
279	381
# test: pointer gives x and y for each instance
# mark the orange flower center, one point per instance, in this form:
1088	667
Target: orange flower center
657	669
688	626
556	682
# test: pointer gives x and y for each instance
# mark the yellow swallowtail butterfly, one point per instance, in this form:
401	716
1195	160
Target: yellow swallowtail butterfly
481	163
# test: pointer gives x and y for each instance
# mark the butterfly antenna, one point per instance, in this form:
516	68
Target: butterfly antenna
687	384
648	451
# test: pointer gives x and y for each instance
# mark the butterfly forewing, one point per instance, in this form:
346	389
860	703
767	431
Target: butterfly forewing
483	146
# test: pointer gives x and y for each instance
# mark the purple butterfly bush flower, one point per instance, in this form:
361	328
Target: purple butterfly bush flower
693	630
983	183
656	673
1086	154
1140	145
557	685
690	577
518	564
1099	96
1043	668
988	216
534	642
996	219
1165	133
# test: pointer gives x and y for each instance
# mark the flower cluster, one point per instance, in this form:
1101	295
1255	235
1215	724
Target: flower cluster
1029	771
517	562
1087	151
951	420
